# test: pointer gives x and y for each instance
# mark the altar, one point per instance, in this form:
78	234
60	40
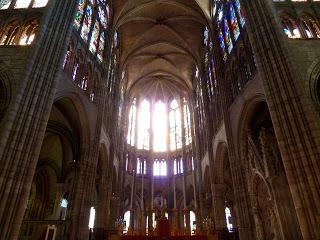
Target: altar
163	232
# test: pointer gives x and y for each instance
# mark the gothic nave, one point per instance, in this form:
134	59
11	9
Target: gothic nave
159	119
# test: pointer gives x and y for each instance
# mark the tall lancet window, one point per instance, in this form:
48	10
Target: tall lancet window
233	21
187	124
144	125
160	168
175	126
141	166
132	123
240	12
160	127
87	22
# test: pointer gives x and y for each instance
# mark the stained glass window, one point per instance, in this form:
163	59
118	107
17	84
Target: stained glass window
86	22
220	18
187	122
132	123
115	39
160	167
22	3
5	5
177	166
175	126
144	125
227	35
240	12
93	46
28	34
39	3
141	166
102	16
229	18
160	133
234	21
101	47
79	13
92	19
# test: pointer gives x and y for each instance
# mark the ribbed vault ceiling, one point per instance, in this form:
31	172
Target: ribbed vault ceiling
160	43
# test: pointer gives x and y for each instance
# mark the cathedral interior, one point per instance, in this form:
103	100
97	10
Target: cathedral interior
159	119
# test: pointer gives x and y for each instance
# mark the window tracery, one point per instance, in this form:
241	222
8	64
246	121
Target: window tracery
148	116
15	33
160	168
20	4
178	166
230	20
92	20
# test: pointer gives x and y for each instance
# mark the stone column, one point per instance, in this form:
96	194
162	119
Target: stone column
238	171
197	167
89	152
23	132
294	120
219	206
101	222
59	194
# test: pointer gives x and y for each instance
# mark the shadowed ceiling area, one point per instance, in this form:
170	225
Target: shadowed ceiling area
160	44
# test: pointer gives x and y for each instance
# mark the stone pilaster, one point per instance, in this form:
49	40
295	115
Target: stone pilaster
23	132
292	116
219	206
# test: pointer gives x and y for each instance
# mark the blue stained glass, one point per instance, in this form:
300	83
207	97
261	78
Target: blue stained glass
79	14
240	12
94	38
86	23
227	35
233	21
222	45
102	16
101	47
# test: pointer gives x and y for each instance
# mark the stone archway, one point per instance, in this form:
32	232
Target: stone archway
207	193
5	92
223	189
265	220
54	183
102	188
261	156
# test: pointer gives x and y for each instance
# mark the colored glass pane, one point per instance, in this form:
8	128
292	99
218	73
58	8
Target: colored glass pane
101	47
86	23
240	12
220	34
227	35
94	38
102	16
40	3
22	3
5	4
115	39
222	45
79	13
234	21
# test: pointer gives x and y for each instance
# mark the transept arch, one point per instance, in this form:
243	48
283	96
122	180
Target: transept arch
5	90
56	168
223	190
259	154
314	83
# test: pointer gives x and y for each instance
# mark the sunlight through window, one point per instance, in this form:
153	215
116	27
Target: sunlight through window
92	217
229	219
160	127
160	168
144	125
126	219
